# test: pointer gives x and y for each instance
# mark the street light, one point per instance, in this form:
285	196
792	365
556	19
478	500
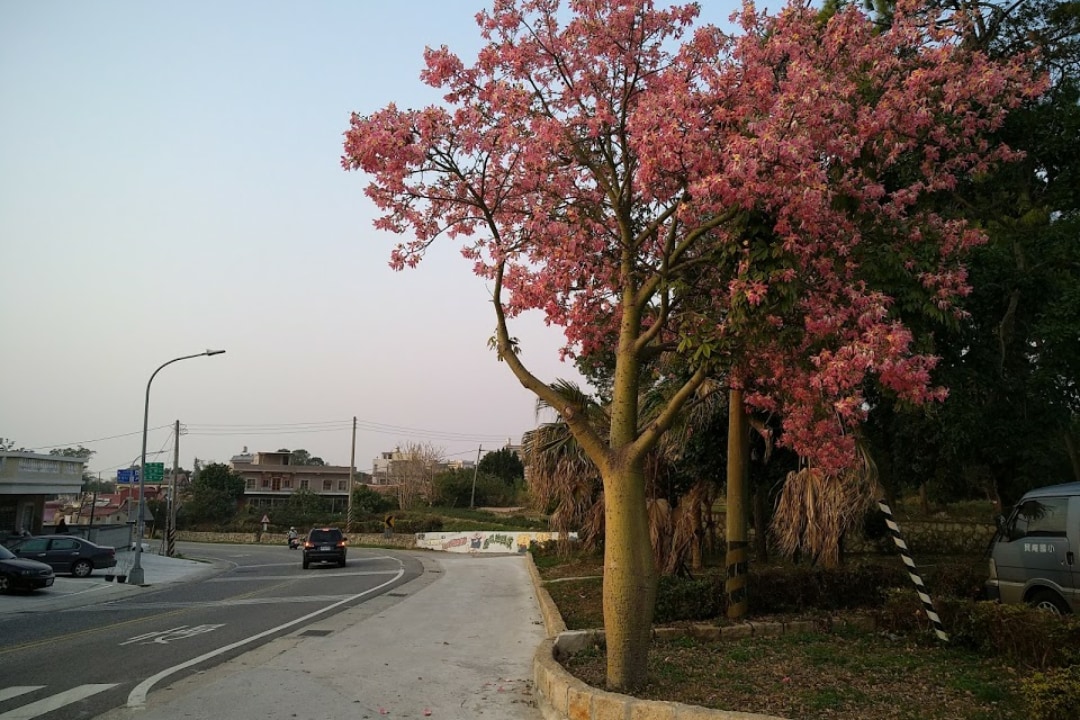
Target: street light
135	576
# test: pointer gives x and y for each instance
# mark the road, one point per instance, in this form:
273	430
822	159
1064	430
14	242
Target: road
79	663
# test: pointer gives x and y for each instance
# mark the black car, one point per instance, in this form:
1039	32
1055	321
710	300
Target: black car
19	574
323	545
66	553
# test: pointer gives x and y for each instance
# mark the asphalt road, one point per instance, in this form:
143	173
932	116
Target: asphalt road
114	654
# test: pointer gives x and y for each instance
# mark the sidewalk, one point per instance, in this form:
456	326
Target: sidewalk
459	646
68	592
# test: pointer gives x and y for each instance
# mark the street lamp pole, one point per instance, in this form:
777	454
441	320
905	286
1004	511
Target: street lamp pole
135	576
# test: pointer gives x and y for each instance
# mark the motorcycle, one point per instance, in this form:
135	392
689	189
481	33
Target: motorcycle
294	543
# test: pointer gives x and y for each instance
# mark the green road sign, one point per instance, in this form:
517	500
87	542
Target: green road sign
155	472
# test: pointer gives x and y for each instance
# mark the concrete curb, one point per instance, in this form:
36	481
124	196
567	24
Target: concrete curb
561	696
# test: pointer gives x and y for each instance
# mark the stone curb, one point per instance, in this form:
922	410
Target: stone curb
561	696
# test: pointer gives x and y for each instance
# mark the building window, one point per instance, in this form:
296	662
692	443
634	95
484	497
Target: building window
341	485
287	483
327	484
249	483
38	465
265	484
304	484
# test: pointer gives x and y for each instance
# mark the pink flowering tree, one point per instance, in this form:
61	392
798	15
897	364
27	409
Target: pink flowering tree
741	205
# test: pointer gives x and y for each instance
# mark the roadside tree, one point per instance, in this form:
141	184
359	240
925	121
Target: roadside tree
214	495
503	463
725	201
412	470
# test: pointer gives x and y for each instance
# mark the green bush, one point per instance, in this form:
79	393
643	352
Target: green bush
1053	694
1017	633
371	502
783	590
680	599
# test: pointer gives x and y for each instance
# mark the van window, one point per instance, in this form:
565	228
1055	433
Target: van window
1039	518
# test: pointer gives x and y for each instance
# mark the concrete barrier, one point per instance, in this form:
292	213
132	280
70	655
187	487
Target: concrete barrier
561	696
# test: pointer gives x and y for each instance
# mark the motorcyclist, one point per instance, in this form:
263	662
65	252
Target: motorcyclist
292	537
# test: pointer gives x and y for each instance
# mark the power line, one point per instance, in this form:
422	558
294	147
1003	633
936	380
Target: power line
89	442
336	426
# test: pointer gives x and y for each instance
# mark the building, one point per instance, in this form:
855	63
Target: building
270	480
27	480
390	467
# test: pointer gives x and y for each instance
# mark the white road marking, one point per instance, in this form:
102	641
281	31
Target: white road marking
16	691
137	697
55	702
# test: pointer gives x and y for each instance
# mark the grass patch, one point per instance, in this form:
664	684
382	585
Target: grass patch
839	676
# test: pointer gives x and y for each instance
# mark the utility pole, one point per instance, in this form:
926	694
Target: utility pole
170	513
472	499
352	468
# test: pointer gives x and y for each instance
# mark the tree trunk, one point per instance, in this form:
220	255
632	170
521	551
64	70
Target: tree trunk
738	452
629	579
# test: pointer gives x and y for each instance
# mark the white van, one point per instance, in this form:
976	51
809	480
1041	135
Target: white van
1033	558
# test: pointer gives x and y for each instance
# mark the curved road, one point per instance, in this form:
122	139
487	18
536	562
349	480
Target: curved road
111	655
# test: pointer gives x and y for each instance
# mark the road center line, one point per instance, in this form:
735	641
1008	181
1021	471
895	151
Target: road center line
137	697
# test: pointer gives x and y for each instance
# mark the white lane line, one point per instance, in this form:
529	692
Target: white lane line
16	691
137	697
55	702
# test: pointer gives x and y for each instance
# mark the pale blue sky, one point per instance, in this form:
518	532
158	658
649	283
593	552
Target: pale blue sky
170	182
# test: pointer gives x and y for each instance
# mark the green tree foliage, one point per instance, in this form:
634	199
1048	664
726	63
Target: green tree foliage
503	463
215	495
302	457
304	508
371	502
454	488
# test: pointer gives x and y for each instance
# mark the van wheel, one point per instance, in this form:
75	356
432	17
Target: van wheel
1049	601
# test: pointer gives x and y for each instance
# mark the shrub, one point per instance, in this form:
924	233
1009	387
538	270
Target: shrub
1020	634
780	590
1053	694
688	599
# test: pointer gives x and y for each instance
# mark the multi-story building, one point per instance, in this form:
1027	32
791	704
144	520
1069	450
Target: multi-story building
27	479
269	479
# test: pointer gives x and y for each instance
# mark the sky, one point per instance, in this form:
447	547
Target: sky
170	182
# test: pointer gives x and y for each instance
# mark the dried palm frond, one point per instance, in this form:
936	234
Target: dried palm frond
815	509
689	528
660	531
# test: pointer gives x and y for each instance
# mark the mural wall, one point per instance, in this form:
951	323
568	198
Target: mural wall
481	541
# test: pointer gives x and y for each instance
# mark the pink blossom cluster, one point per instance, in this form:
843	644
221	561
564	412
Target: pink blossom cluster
611	164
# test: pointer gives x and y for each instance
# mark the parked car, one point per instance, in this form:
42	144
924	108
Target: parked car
1033	558
323	545
19	574
66	554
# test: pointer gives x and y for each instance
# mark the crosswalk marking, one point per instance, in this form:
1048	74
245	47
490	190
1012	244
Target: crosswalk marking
53	702
8	693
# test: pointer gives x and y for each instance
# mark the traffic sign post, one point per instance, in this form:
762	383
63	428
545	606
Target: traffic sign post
265	521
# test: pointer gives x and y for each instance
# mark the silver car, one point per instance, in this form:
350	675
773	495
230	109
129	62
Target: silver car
1033	558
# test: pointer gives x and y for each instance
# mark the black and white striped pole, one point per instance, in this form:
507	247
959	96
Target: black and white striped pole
913	573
